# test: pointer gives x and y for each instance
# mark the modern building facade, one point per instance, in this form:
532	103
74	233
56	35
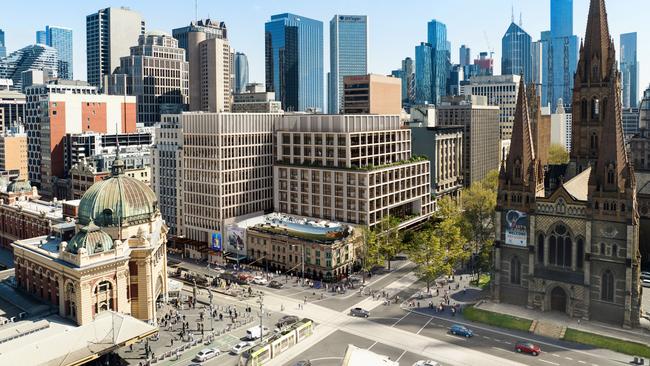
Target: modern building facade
34	57
639	145
294	61
167	172
465	55
350	168
110	33
256	102
575	248
433	60
516	58
348	55
629	70
372	94
12	104
481	139
630	122
240	65
484	64
62	107
13	151
561	127
3	48
114	258
60	38
157	74
211	29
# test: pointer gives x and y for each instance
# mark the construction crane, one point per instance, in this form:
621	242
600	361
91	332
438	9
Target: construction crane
487	42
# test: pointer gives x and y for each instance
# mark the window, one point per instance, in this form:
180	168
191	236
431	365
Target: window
607	286
595	109
583	109
594	141
515	271
103	286
540	248
602	248
560	247
580	252
610	176
614	250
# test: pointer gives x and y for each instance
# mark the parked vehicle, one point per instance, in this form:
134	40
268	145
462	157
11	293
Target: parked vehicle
303	363
258	280
359	312
461	330
239	348
275	284
645	282
528	347
426	363
206	354
255	332
287	320
645	275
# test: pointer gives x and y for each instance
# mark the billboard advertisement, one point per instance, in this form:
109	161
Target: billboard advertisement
236	239
516	228
215	241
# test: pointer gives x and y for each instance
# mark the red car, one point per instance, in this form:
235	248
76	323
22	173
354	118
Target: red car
527	347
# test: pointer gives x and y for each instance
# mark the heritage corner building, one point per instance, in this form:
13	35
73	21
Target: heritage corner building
568	236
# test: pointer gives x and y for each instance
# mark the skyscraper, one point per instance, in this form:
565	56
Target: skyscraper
537	64
561	50
162	87
517	57
110	33
61	39
41	37
294	61
465	55
440	60
34	57
348	54
408	82
3	49
209	54
241	72
629	70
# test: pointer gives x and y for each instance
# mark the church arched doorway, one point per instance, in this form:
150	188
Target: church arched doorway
558	299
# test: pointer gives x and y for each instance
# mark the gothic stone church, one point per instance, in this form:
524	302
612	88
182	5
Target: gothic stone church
568	236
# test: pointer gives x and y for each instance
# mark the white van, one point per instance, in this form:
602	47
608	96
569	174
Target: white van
255	333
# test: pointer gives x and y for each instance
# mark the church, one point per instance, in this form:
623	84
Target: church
567	236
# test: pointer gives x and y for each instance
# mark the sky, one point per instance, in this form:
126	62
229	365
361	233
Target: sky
395	27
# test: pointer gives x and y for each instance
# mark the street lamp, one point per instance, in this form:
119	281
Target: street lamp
261	302
211	313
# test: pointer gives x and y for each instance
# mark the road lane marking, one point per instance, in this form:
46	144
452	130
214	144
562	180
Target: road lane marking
552	363
569	358
506	342
400	356
455	337
554	355
400	319
501	349
424	326
581	361
372	345
486	337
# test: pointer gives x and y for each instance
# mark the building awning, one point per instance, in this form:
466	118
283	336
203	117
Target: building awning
234	256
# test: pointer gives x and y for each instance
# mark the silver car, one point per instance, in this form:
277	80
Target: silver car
359	312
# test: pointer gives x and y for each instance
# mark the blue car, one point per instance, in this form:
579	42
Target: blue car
461	331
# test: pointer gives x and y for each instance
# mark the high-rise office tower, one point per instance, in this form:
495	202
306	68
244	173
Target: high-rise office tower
435	70
560	48
465	55
483	65
407	74
423	73
34	57
629	70
348	54
157	74
41	37
110	33
241	72
61	39
537	65
294	61
3	49
209	54
516	58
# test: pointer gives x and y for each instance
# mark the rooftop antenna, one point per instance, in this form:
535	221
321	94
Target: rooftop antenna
512	13
521	21
196	10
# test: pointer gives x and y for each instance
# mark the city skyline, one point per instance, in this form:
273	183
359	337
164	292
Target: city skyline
247	34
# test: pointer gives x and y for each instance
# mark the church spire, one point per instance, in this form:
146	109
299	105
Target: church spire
522	151
597	54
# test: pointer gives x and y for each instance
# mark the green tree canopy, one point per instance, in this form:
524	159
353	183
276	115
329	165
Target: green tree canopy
557	154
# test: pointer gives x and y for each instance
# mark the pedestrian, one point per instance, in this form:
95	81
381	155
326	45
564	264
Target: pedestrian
418	304
172	343
305	300
220	317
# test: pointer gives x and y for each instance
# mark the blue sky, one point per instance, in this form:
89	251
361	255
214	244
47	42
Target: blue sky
395	26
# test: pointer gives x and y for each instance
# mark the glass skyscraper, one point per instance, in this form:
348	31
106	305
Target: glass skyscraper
294	61
629	70
61	39
439	52
36	57
517	57
348	54
465	55
560	47
241	72
3	49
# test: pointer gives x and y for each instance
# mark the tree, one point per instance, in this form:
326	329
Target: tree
389	238
557	154
478	204
370	256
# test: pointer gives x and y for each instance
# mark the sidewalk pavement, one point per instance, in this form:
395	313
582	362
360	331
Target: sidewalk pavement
641	335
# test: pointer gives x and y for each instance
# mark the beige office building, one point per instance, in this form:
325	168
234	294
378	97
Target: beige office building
372	94
227	169
351	168
167	171
13	150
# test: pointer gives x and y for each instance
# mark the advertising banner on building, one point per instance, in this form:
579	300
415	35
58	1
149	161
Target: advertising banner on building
236	239
516	228
215	242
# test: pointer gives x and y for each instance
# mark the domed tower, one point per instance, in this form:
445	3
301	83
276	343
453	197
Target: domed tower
120	227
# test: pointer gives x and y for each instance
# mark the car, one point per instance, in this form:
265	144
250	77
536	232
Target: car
260	280
645	283
206	354
359	312
645	275
286	320
275	284
239	348
461	330
303	363
426	363
528	347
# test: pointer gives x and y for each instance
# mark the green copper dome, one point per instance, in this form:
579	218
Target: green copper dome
117	201
19	185
92	238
